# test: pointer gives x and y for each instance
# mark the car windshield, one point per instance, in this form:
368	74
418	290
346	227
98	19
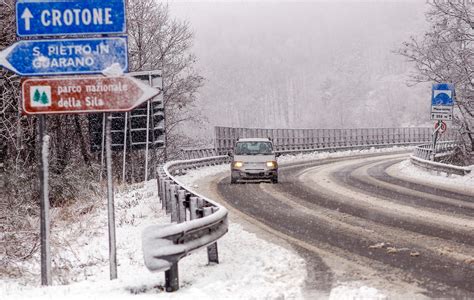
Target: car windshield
253	148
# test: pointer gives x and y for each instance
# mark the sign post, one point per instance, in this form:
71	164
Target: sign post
46	278
110	198
79	94
60	95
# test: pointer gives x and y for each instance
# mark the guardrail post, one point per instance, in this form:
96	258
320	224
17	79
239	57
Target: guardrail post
158	183
193	207
181	209
212	253
200	203
163	193
172	278
167	196
174	202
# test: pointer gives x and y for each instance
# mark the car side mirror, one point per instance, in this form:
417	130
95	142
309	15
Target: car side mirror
277	154
230	154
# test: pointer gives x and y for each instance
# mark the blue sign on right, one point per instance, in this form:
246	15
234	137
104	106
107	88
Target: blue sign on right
442	101
70	17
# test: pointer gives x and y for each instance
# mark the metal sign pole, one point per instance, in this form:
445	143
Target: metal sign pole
124	147
435	138
44	205
147	137
110	198
165	135
102	148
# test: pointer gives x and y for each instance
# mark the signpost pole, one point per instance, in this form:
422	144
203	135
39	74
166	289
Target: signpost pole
147	137
110	198
124	158
435	138
165	136
102	148
44	205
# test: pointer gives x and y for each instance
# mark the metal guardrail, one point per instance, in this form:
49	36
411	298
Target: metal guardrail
425	151
425	157
286	140
193	153
440	167
197	221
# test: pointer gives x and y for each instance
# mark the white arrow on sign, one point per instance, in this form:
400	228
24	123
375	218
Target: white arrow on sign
27	16
3	58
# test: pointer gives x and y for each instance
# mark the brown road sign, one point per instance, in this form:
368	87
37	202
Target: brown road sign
89	94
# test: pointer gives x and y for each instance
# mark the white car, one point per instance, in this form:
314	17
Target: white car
254	159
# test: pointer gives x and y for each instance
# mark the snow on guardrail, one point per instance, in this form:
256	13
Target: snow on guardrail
423	153
196	222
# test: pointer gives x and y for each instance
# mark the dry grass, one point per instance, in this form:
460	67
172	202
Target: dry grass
73	200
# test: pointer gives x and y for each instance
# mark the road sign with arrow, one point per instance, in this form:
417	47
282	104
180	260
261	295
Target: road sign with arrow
84	94
70	17
65	56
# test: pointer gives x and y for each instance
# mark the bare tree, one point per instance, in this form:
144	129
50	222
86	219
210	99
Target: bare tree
157	41
445	54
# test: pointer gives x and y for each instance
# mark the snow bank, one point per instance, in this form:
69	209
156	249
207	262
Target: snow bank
407	169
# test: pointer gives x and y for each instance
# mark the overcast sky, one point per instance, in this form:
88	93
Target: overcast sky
285	55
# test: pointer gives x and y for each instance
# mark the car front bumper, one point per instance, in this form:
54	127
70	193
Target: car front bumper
249	175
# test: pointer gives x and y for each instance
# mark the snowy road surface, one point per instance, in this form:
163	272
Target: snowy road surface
364	210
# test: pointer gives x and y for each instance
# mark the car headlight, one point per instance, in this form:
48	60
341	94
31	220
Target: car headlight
272	164
237	164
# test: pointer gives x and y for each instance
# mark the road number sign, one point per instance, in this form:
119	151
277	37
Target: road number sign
70	17
84	94
65	56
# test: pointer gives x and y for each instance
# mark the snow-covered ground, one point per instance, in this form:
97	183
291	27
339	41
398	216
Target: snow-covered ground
250	267
465	183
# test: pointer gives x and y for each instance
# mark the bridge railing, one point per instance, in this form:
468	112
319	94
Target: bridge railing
196	222
293	140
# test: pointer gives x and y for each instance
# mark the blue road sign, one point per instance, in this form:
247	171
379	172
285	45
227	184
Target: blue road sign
70	17
442	94
65	56
442	101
